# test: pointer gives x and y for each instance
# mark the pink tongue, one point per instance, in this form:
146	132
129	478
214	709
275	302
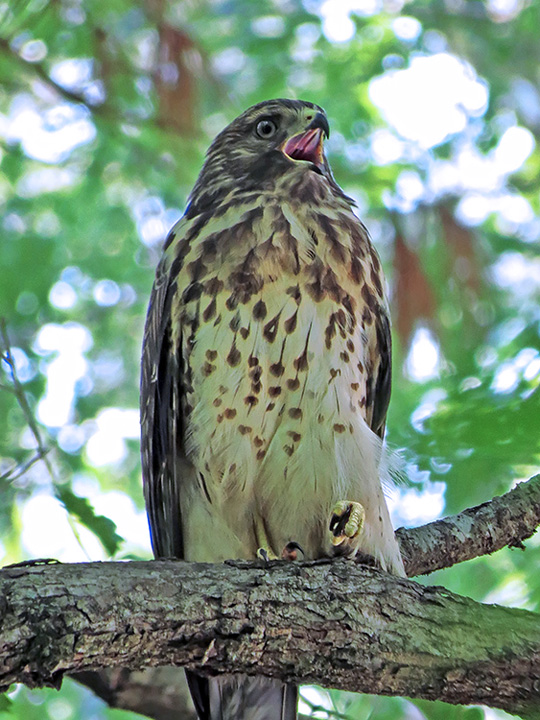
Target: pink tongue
300	153
303	147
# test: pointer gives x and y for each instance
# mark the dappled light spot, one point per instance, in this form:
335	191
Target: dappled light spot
106	293
62	295
423	360
431	99
106	446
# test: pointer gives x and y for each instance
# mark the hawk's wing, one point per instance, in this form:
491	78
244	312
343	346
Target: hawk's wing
161	418
379	386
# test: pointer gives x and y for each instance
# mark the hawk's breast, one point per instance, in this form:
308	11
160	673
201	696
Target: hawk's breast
278	324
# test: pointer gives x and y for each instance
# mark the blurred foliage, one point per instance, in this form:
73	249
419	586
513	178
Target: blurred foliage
73	702
106	109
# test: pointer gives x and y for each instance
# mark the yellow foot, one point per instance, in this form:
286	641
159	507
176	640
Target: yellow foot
266	555
346	522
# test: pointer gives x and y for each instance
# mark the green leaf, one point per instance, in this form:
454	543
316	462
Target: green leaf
101	526
5	703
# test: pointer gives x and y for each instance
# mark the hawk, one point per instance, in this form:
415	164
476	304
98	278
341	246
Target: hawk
266	372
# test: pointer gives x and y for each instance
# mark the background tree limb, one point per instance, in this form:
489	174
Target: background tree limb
481	530
158	692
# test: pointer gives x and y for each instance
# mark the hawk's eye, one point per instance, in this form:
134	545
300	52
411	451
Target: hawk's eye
266	129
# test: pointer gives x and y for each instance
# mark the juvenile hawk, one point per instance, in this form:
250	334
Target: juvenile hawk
266	371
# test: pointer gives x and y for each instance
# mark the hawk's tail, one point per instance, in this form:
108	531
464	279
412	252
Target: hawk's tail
241	697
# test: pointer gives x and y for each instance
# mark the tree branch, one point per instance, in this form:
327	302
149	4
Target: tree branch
158	692
331	623
481	530
41	73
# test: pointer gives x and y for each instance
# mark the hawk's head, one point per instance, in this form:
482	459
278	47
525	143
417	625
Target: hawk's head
262	143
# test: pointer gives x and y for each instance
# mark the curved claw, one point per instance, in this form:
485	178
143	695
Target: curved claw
265	555
290	551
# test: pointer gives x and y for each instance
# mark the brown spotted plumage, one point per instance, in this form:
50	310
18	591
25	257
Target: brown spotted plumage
266	370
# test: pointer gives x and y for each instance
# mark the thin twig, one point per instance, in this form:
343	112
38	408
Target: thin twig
42	449
16	472
20	394
39	70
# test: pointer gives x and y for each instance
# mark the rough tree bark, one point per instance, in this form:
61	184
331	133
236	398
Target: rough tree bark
332	623
161	693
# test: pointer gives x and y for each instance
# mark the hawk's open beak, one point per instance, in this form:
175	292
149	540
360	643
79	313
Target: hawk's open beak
309	144
306	146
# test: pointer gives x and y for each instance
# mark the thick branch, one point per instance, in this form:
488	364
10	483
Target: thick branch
159	692
335	624
505	520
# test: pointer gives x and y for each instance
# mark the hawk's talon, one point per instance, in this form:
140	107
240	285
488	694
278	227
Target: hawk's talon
346	522
265	555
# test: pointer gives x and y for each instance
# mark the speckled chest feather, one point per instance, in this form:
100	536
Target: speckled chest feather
281	318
